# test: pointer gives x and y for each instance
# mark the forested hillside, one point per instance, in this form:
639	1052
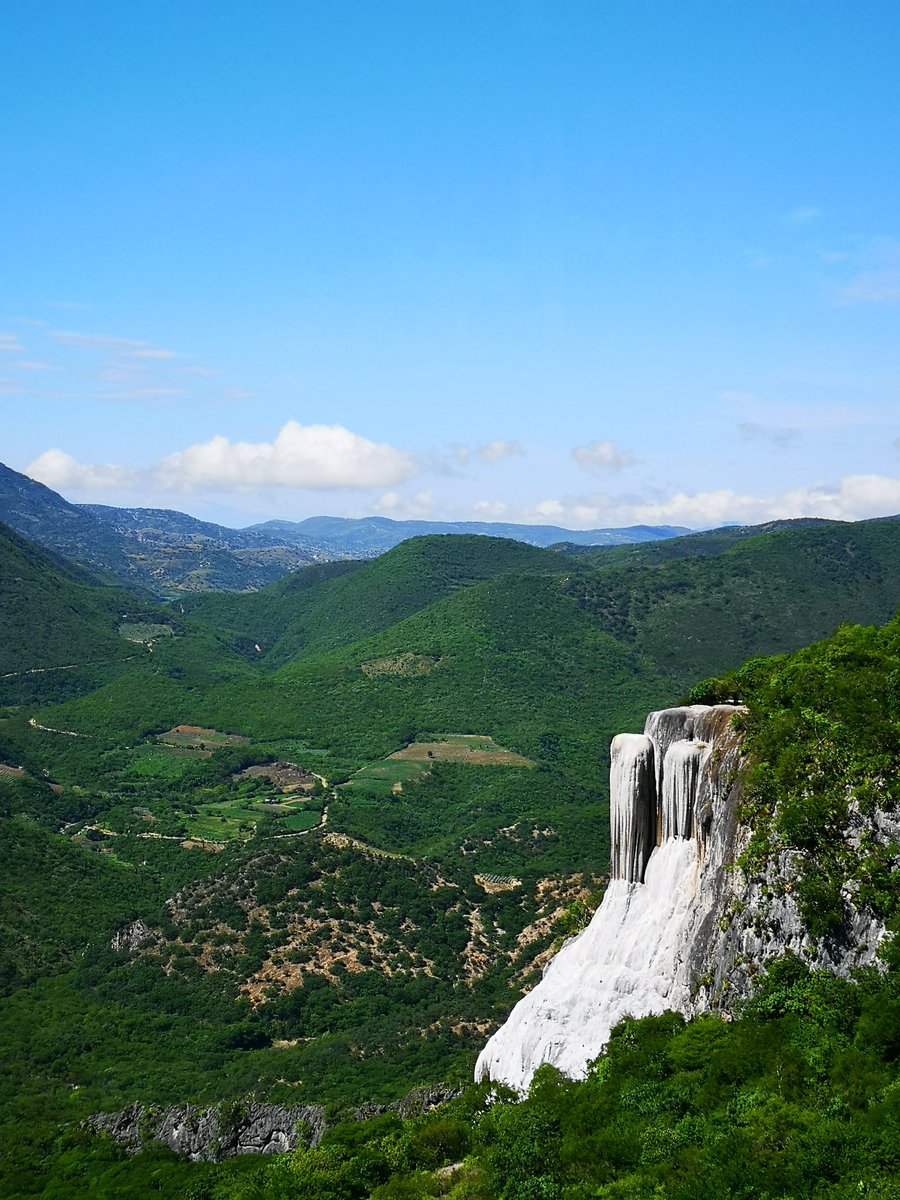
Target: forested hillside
348	850
794	1099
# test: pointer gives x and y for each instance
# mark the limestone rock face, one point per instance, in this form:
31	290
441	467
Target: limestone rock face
631	817
212	1134
242	1127
130	939
680	927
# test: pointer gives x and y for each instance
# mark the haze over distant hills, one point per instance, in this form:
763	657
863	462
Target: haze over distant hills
364	537
166	552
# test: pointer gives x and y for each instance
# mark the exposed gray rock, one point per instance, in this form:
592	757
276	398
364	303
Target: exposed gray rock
414	1104
132	937
744	923
212	1134
243	1127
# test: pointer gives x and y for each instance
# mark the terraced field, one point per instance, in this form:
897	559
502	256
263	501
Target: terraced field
475	749
388	775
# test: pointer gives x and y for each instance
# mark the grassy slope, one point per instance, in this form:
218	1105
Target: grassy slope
54	613
322	607
766	593
61	639
529	653
523	655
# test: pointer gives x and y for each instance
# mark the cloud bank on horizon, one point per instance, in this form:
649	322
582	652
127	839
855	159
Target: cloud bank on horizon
320	458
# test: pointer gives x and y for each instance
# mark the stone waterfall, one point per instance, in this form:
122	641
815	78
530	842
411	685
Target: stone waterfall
668	788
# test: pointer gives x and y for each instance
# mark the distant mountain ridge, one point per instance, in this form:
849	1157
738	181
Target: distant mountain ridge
149	550
368	536
166	553
148	523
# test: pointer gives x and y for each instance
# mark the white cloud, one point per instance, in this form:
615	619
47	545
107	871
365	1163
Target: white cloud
122	347
549	508
300	456
9	342
62	472
320	457
499	449
491	510
602	457
852	498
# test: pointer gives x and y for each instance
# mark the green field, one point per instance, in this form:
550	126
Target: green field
386	773
238	818
416	760
144	631
476	749
161	762
197	737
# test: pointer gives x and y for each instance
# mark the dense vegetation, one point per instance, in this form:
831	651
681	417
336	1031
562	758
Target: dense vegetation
376	951
797	1100
824	736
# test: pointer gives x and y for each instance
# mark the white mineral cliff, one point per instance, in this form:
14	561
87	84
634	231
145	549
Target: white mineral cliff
633	959
680	926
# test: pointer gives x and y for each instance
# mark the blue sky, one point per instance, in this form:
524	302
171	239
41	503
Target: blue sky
588	263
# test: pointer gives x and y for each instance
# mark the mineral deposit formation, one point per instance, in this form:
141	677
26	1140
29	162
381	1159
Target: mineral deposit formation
678	928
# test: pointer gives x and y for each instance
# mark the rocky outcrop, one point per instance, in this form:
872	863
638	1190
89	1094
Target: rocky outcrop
680	927
744	922
132	937
215	1133
242	1127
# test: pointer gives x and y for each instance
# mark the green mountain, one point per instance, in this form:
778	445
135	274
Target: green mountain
502	639
165	553
322	607
57	617
320	969
66	632
442	715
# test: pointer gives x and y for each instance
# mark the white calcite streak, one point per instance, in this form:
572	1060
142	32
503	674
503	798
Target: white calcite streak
632	822
681	770
632	958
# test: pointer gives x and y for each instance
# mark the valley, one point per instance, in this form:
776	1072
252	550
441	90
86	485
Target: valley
313	842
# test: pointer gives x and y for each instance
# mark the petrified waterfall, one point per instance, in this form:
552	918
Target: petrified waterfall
634	958
632	818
